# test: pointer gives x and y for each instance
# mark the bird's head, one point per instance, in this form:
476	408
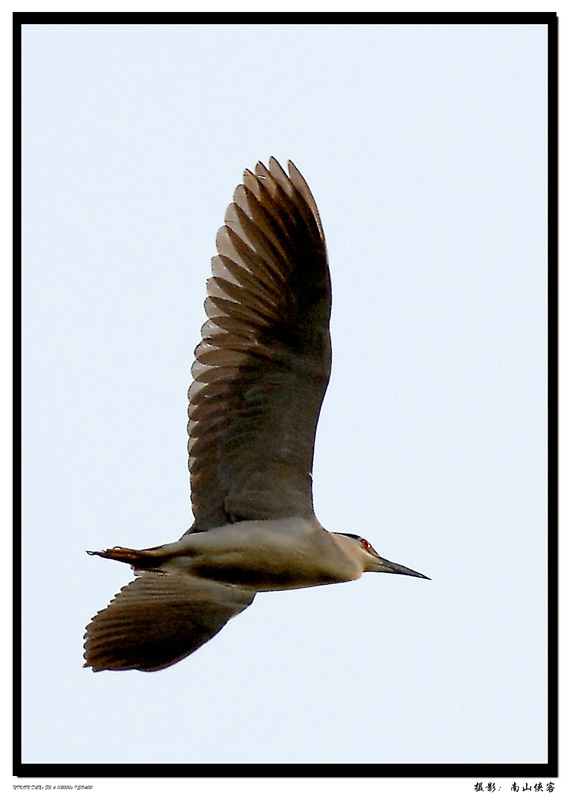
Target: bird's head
370	560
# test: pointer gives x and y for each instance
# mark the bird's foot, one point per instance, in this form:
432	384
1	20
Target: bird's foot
126	554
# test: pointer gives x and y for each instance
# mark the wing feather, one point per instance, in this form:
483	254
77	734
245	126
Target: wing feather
263	363
158	619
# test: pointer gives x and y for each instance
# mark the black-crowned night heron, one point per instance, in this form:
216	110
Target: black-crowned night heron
260	374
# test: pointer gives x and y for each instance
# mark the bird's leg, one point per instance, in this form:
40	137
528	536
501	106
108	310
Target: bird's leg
126	554
148	559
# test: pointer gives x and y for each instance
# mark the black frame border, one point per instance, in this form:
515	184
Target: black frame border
477	772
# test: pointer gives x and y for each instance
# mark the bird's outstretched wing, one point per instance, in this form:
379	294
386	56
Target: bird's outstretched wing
263	363
158	619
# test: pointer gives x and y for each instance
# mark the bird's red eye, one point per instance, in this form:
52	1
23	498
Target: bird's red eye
366	545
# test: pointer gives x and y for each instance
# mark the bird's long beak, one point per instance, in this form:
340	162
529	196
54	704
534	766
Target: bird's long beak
383	565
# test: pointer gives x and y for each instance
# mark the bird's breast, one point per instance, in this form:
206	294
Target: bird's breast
268	555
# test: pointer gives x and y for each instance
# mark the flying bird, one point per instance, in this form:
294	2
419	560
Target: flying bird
260	374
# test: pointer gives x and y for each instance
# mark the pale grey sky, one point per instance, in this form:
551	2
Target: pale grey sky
425	148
